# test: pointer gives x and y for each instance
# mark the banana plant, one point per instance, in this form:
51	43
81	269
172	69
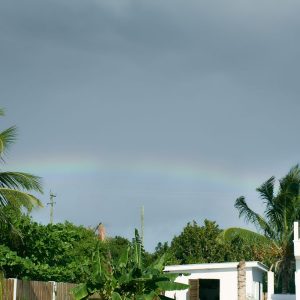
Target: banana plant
128	278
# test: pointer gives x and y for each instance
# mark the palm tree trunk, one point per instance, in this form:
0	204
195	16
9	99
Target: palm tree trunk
285	283
241	268
285	280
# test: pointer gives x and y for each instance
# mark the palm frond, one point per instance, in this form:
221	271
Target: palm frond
21	180
266	190
289	184
244	211
2	112
18	199
252	217
274	216
281	210
286	204
7	137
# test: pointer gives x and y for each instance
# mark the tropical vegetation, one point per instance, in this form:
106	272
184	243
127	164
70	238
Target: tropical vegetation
58	252
122	269
201	244
15	187
128	278
282	208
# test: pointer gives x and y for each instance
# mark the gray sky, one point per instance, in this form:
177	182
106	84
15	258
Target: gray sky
180	106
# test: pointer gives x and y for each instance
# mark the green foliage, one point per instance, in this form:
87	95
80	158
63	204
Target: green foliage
59	252
276	224
16	266
202	244
230	233
127	278
116	246
239	244
7	137
160	250
197	244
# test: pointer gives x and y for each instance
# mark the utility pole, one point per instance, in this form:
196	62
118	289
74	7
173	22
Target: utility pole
142	223
51	203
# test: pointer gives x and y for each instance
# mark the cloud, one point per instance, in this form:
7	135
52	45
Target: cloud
209	82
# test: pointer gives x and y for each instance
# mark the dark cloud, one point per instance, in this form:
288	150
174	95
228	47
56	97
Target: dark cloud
193	82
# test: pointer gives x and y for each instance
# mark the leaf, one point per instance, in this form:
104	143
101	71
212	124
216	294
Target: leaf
80	291
172	276
125	278
97	268
116	296
171	286
159	263
19	199
124	258
21	180
245	234
151	296
7	137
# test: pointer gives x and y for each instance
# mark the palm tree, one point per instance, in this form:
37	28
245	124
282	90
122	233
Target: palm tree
282	208
15	186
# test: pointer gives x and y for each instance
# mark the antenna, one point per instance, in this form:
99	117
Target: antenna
142	223
51	203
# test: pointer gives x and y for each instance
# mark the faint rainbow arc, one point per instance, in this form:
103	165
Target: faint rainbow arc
153	168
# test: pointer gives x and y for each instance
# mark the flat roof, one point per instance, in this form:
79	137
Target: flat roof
213	266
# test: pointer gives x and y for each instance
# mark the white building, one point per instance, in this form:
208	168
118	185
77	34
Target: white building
297	258
217	281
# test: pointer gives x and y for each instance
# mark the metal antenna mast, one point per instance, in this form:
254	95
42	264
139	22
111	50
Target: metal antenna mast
51	203
142	223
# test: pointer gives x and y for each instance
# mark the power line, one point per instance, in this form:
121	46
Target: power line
51	203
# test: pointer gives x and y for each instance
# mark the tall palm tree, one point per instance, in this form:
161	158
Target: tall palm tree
15	186
282	208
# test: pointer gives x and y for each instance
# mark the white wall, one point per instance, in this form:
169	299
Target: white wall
253	277
228	283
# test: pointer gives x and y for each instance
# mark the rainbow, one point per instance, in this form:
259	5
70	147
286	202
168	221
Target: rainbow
160	169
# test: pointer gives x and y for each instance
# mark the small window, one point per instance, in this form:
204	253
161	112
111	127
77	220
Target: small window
209	289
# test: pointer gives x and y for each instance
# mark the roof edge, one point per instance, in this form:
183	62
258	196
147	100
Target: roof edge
213	266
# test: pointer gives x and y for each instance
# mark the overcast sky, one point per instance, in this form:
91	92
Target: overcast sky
180	106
